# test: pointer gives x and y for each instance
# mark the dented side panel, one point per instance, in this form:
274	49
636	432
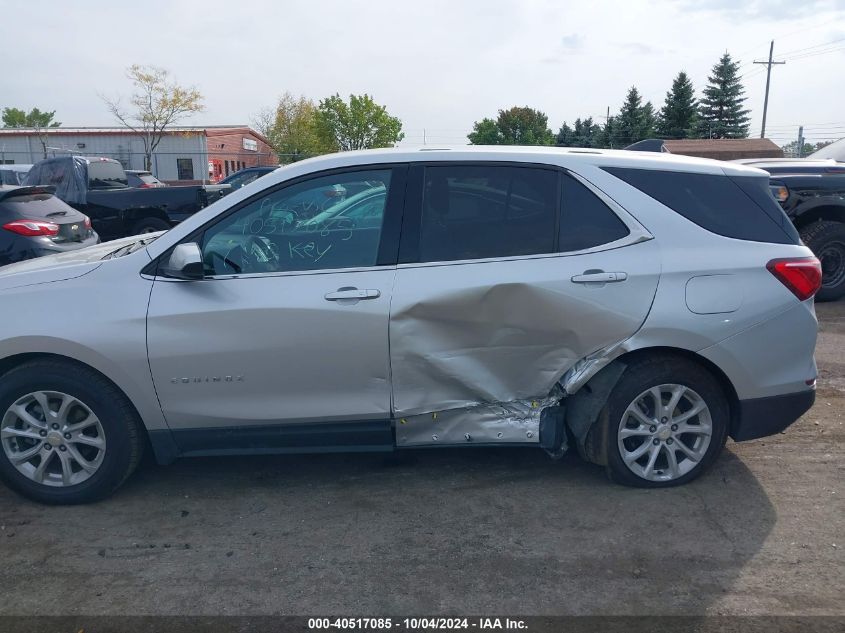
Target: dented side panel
502	333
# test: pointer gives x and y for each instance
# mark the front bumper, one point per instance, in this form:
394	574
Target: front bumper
760	417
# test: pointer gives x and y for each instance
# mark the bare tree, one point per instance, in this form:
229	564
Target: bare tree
156	104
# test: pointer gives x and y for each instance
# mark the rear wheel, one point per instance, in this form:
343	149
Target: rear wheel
149	225
827	241
67	434
668	421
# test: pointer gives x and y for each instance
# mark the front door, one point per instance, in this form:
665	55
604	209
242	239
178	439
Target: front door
290	325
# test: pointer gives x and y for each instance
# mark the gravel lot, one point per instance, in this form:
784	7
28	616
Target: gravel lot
439	531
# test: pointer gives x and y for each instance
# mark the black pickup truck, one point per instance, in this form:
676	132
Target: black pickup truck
98	188
812	192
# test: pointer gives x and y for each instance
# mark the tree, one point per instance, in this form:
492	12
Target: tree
679	114
721	112
635	121
157	103
35	119
359	124
485	132
292	128
584	133
516	126
790	150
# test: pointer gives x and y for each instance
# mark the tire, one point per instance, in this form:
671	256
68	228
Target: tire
99	425
149	225
827	240
669	375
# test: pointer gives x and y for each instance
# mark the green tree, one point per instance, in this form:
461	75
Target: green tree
515	126
721	112
359	124
35	119
485	132
679	114
584	133
635	121
292	128
606	136
156	104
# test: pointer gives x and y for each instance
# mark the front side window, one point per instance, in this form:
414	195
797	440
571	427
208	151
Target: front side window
312	225
476	212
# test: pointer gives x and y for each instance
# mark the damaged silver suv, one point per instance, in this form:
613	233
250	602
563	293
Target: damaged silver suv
637	308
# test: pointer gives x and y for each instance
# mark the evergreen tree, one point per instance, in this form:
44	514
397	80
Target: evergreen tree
721	112
585	133
635	121
679	114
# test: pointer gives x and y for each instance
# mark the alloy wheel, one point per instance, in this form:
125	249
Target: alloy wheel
665	432
53	438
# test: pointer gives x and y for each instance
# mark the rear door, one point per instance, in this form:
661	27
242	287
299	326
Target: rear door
508	275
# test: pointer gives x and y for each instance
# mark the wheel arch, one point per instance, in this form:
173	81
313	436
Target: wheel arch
585	407
826	211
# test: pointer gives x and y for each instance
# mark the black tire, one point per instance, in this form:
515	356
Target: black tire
650	372
827	240
150	225
122	428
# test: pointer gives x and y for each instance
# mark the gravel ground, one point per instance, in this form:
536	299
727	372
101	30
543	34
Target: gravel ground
439	531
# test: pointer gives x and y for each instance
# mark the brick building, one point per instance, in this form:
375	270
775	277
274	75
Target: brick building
186	154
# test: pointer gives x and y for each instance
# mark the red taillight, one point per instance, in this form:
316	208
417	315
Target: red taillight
32	228
803	276
146	185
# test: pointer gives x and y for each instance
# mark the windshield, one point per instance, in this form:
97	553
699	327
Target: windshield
106	174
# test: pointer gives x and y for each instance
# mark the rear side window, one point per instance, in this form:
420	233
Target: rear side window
586	221
713	202
475	212
105	174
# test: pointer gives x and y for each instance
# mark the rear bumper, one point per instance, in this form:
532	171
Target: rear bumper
760	417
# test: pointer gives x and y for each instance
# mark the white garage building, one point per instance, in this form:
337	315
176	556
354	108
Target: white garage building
185	154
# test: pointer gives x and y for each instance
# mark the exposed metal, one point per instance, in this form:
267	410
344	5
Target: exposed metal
53	438
665	432
517	421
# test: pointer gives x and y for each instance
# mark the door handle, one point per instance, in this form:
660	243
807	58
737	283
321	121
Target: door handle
598	277
354	294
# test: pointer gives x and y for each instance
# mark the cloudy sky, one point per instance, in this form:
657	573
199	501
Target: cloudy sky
438	65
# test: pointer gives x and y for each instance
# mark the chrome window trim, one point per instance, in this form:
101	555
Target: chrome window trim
289	273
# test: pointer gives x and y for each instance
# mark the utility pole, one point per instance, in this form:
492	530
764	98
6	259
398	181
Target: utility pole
800	141
769	65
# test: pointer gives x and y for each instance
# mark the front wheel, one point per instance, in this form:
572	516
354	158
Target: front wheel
68	435
667	422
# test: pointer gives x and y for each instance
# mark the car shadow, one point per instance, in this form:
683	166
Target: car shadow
424	531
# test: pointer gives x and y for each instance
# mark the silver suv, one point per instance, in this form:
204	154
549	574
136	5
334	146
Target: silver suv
637	308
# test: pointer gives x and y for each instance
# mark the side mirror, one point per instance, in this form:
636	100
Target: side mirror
185	262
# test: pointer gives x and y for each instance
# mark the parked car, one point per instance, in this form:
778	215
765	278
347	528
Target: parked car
13	174
34	223
641	308
812	193
245	176
99	188
835	150
142	179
